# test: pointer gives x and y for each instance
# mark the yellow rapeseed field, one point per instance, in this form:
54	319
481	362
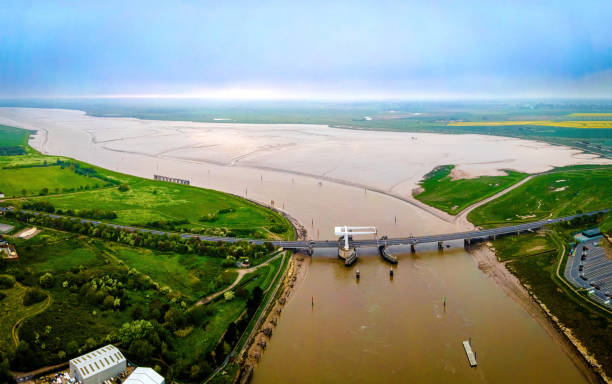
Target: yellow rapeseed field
565	124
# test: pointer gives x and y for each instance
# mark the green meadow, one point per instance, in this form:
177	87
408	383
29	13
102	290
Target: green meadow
566	191
452	196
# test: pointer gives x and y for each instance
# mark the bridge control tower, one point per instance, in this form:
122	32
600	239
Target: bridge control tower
346	252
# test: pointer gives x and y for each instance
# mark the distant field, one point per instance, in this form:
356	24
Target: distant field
564	124
594	114
452	196
10	137
550	195
34	179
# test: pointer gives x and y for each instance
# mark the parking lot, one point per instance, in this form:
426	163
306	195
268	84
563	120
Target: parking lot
589	268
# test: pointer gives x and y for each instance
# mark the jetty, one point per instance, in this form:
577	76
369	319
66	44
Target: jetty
470	354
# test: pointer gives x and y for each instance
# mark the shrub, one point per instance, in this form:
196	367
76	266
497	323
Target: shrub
123	187
6	281
33	296
46	280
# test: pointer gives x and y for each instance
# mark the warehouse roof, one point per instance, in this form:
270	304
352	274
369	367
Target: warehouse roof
142	375
591	232
93	362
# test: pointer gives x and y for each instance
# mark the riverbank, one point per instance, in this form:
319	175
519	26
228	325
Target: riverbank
488	263
252	353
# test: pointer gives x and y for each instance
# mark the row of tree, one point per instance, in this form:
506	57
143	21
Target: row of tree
162	242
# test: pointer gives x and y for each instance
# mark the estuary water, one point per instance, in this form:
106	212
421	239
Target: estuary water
375	329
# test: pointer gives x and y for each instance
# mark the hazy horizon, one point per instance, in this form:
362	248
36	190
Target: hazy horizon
272	50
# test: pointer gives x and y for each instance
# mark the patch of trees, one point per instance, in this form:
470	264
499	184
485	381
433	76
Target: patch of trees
42	206
584	221
162	242
6	281
97	214
169	225
33	296
12	151
214	216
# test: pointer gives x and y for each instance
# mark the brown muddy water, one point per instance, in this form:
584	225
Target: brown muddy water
392	330
376	329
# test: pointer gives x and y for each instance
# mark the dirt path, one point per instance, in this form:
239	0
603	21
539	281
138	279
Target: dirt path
461	218
241	273
487	262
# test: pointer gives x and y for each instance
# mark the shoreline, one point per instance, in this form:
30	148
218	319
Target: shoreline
250	356
487	262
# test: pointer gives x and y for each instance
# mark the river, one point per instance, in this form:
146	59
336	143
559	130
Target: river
375	329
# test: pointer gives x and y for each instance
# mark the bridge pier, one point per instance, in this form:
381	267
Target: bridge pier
467	242
440	245
494	236
412	248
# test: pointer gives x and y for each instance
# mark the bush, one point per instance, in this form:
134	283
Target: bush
33	296
46	280
6	281
123	187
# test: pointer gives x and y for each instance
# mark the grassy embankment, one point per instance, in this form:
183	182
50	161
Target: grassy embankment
452	196
146	203
97	286
535	258
566	191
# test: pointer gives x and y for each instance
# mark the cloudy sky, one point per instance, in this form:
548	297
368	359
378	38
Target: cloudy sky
307	49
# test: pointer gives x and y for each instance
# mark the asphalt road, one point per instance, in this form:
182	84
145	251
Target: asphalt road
300	244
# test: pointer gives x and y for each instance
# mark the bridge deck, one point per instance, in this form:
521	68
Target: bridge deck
300	244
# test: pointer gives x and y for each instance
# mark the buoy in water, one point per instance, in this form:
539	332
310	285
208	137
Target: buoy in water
357	275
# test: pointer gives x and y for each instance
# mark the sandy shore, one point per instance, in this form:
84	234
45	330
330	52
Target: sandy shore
488	263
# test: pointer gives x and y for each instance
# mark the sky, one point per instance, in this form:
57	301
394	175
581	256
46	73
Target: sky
306	50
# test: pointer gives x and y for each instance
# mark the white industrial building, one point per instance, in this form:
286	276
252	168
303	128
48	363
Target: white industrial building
98	366
142	375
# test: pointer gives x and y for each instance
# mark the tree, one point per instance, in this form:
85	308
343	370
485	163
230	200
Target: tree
141	351
136	330
123	187
46	280
229	295
108	302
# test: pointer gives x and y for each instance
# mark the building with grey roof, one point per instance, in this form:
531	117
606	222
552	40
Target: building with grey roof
98	366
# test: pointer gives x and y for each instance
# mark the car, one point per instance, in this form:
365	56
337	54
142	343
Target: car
580	267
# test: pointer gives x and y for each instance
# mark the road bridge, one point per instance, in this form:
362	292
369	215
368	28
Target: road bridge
411	241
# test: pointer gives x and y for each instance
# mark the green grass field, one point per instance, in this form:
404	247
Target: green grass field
145	203
206	338
452	196
191	275
13	312
148	201
560	193
13	137
34	179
